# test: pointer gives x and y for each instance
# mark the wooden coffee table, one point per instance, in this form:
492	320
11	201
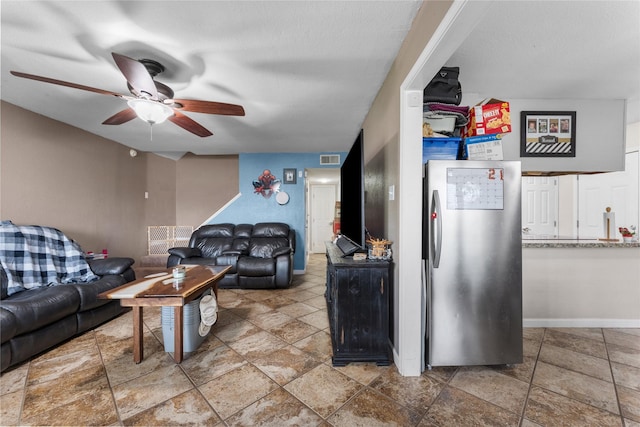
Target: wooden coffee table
162	290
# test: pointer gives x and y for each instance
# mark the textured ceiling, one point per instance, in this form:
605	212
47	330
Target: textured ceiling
555	50
306	72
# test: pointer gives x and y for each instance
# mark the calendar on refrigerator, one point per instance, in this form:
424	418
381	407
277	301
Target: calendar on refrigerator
475	189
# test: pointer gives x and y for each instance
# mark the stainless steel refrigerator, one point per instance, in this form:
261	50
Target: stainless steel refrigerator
472	251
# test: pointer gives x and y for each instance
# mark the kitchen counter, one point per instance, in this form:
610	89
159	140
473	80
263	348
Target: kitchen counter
544	241
580	283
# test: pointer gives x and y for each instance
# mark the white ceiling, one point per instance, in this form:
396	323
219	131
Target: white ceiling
555	50
306	72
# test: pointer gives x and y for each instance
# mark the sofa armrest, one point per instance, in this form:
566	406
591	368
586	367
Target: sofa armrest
232	252
185	252
103	267
283	250
292	240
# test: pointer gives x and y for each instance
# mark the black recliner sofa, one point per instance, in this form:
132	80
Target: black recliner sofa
35	320
260	255
64	302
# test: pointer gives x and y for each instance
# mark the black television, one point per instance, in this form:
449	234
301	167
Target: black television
352	195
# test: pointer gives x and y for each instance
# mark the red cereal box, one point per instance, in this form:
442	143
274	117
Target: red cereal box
489	117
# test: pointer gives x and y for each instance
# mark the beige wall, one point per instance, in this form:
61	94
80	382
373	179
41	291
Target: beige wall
190	190
381	137
160	206
204	185
60	176
90	187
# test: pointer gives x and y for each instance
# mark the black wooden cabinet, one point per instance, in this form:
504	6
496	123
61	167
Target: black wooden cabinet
358	305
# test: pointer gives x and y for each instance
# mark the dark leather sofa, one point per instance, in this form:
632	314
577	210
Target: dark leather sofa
35	320
260	255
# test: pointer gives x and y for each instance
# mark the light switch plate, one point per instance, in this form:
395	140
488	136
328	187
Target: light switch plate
415	99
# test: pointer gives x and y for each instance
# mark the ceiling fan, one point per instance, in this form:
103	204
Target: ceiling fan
151	101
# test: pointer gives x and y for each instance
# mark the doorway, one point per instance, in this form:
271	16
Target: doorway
322	191
540	205
617	190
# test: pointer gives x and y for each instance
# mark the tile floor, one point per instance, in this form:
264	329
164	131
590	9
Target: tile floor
268	362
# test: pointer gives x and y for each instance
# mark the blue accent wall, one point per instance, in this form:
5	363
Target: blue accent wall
252	207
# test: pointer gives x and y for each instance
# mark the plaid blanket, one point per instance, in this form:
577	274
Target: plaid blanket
34	256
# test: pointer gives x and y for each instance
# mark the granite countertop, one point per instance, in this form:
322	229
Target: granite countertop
548	241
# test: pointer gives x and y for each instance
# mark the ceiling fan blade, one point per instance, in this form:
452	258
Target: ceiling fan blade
188	124
136	74
209	107
63	83
122	117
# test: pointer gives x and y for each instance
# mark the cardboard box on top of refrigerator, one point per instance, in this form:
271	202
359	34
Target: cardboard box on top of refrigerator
483	147
490	116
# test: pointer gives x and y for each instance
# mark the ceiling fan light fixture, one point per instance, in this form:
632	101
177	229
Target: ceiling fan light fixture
150	111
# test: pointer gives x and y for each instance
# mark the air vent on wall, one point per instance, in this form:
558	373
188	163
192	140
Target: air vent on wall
330	159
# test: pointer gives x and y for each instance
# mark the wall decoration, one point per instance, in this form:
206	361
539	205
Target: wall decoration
289	176
548	134
282	198
266	184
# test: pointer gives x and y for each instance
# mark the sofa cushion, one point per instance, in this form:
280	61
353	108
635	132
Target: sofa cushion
38	307
231	260
103	267
8	325
184	252
283	250
256	267
89	291
26	345
270	229
211	247
212	230
264	247
241	245
243	231
91	318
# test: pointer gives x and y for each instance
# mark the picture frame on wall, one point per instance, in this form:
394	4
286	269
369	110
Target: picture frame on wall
547	134
289	176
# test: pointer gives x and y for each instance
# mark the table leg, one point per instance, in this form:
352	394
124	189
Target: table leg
177	333
138	350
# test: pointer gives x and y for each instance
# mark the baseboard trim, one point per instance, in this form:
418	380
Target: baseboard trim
581	323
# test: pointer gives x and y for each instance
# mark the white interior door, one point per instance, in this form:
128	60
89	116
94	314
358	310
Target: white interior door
540	204
323	202
617	190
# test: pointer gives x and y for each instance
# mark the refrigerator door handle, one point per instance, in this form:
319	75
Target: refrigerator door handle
436	228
